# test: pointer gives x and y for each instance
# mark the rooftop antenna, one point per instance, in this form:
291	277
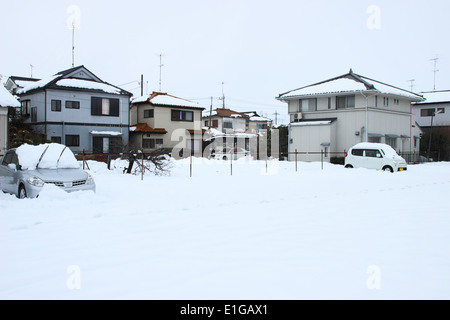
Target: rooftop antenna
160	70
223	97
73	44
434	71
411	84
31	72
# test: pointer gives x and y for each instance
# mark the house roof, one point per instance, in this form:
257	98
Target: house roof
165	99
71	79
440	96
254	116
348	83
225	113
7	99
143	127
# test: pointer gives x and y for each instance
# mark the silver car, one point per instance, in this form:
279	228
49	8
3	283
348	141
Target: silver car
28	182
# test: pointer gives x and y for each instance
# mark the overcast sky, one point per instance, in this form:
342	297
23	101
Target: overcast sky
258	49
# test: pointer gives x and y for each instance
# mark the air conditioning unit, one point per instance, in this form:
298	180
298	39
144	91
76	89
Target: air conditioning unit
296	117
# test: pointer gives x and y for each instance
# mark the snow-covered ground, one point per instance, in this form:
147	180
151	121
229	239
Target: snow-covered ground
313	234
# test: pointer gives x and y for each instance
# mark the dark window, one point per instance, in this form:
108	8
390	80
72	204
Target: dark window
228	123
72	140
56	139
215	123
373	153
25	107
329	103
72	104
385	101
159	141
148	143
179	115
148	113
56	105
357	152
7	158
104	107
343	102
34	114
206	123
426	112
441	110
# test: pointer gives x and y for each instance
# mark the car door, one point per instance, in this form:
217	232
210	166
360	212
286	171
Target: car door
374	159
6	173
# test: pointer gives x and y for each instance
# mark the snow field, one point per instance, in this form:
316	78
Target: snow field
311	234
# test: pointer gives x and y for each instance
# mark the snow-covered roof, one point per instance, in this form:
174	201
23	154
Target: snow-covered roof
86	84
160	98
436	96
349	83
7	99
253	116
106	133
67	79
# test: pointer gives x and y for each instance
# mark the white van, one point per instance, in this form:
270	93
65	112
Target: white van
374	156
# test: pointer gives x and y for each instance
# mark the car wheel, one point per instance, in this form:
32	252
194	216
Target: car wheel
22	192
388	169
349	166
225	158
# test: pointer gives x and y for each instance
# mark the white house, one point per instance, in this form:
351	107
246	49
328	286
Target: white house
333	115
6	100
436	107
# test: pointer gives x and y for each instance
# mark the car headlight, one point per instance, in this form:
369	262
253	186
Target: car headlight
89	179
36	181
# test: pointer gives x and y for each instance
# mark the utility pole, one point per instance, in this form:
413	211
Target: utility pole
31	67
276	117
142	85
223	97
434	71
210	114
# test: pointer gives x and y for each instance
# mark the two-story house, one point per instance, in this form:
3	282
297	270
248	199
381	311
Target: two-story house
76	108
436	107
7	100
161	120
333	115
256	123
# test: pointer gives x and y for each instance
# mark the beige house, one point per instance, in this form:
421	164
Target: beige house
333	115
256	123
6	100
164	121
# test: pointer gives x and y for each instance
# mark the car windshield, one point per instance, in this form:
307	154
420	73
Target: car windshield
46	156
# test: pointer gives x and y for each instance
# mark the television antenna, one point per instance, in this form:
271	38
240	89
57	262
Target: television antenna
434	71
411	85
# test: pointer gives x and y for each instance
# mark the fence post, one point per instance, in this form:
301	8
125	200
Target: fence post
190	166
142	169
266	165
321	159
295	160
84	158
231	162
109	162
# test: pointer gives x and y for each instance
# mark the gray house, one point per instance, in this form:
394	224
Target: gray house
76	108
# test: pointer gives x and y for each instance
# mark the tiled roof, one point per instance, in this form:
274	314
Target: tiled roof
143	127
226	113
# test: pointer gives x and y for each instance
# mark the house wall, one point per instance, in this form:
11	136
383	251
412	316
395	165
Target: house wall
3	130
349	128
162	118
309	139
76	121
440	119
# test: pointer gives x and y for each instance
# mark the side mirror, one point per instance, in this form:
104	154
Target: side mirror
12	166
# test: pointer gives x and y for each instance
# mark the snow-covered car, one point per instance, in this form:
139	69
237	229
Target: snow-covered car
25	170
378	156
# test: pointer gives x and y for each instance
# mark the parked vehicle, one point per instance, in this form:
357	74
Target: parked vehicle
227	153
374	156
24	171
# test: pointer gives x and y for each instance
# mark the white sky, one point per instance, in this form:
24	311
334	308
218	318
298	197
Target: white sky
259	49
